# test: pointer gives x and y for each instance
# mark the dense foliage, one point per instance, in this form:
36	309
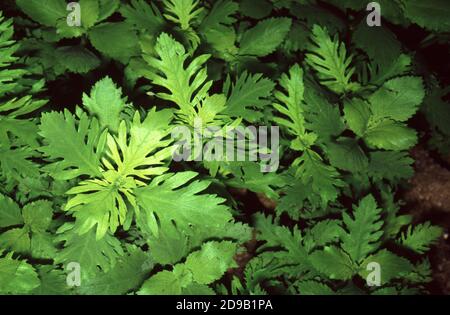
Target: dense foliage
93	181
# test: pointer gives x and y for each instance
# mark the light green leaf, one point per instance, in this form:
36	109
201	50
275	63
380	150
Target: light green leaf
211	261
106	103
38	215
86	250
9	212
17	276
183	12
66	140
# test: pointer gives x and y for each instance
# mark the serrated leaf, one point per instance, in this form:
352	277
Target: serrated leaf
390	135
183	12
328	56
38	215
389	165
431	14
17	276
77	59
391	266
143	16
9	212
364	229
265	37
106	103
127	275
357	114
116	40
421	237
166	197
248	92
66	141
86	250
211	262
46	12
333	263
397	99
346	154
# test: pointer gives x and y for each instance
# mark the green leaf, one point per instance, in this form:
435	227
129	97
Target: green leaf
357	114
323	233
202	267
431	14
324	178
183	12
314	288
107	8
17	240
137	154
265	37
53	282
421	237
389	165
42	245
294	253
38	215
364	230
116	40
346	154
9	212
391	266
217	28
143	16
86	250
322	117
127	275
397	99
328	56
89	14
163	283
67	141
77	59
390	135
184	206
253	179
249	91
255	10
211	262
17	276
106	103
46	12
188	85
290	105
333	263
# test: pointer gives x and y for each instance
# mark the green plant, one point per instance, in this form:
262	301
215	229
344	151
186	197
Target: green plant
95	183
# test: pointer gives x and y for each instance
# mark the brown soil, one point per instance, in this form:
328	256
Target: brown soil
430	186
428	198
